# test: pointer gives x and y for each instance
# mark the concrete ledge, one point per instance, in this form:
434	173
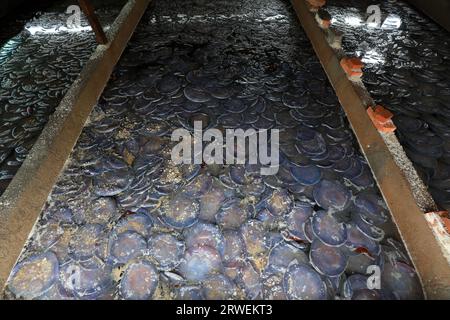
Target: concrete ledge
22	202
424	249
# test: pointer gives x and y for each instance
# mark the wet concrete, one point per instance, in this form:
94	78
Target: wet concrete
125	222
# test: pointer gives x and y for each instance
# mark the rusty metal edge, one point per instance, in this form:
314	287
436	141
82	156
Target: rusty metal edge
428	259
22	202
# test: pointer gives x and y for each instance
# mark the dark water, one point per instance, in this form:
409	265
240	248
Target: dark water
125	222
408	59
